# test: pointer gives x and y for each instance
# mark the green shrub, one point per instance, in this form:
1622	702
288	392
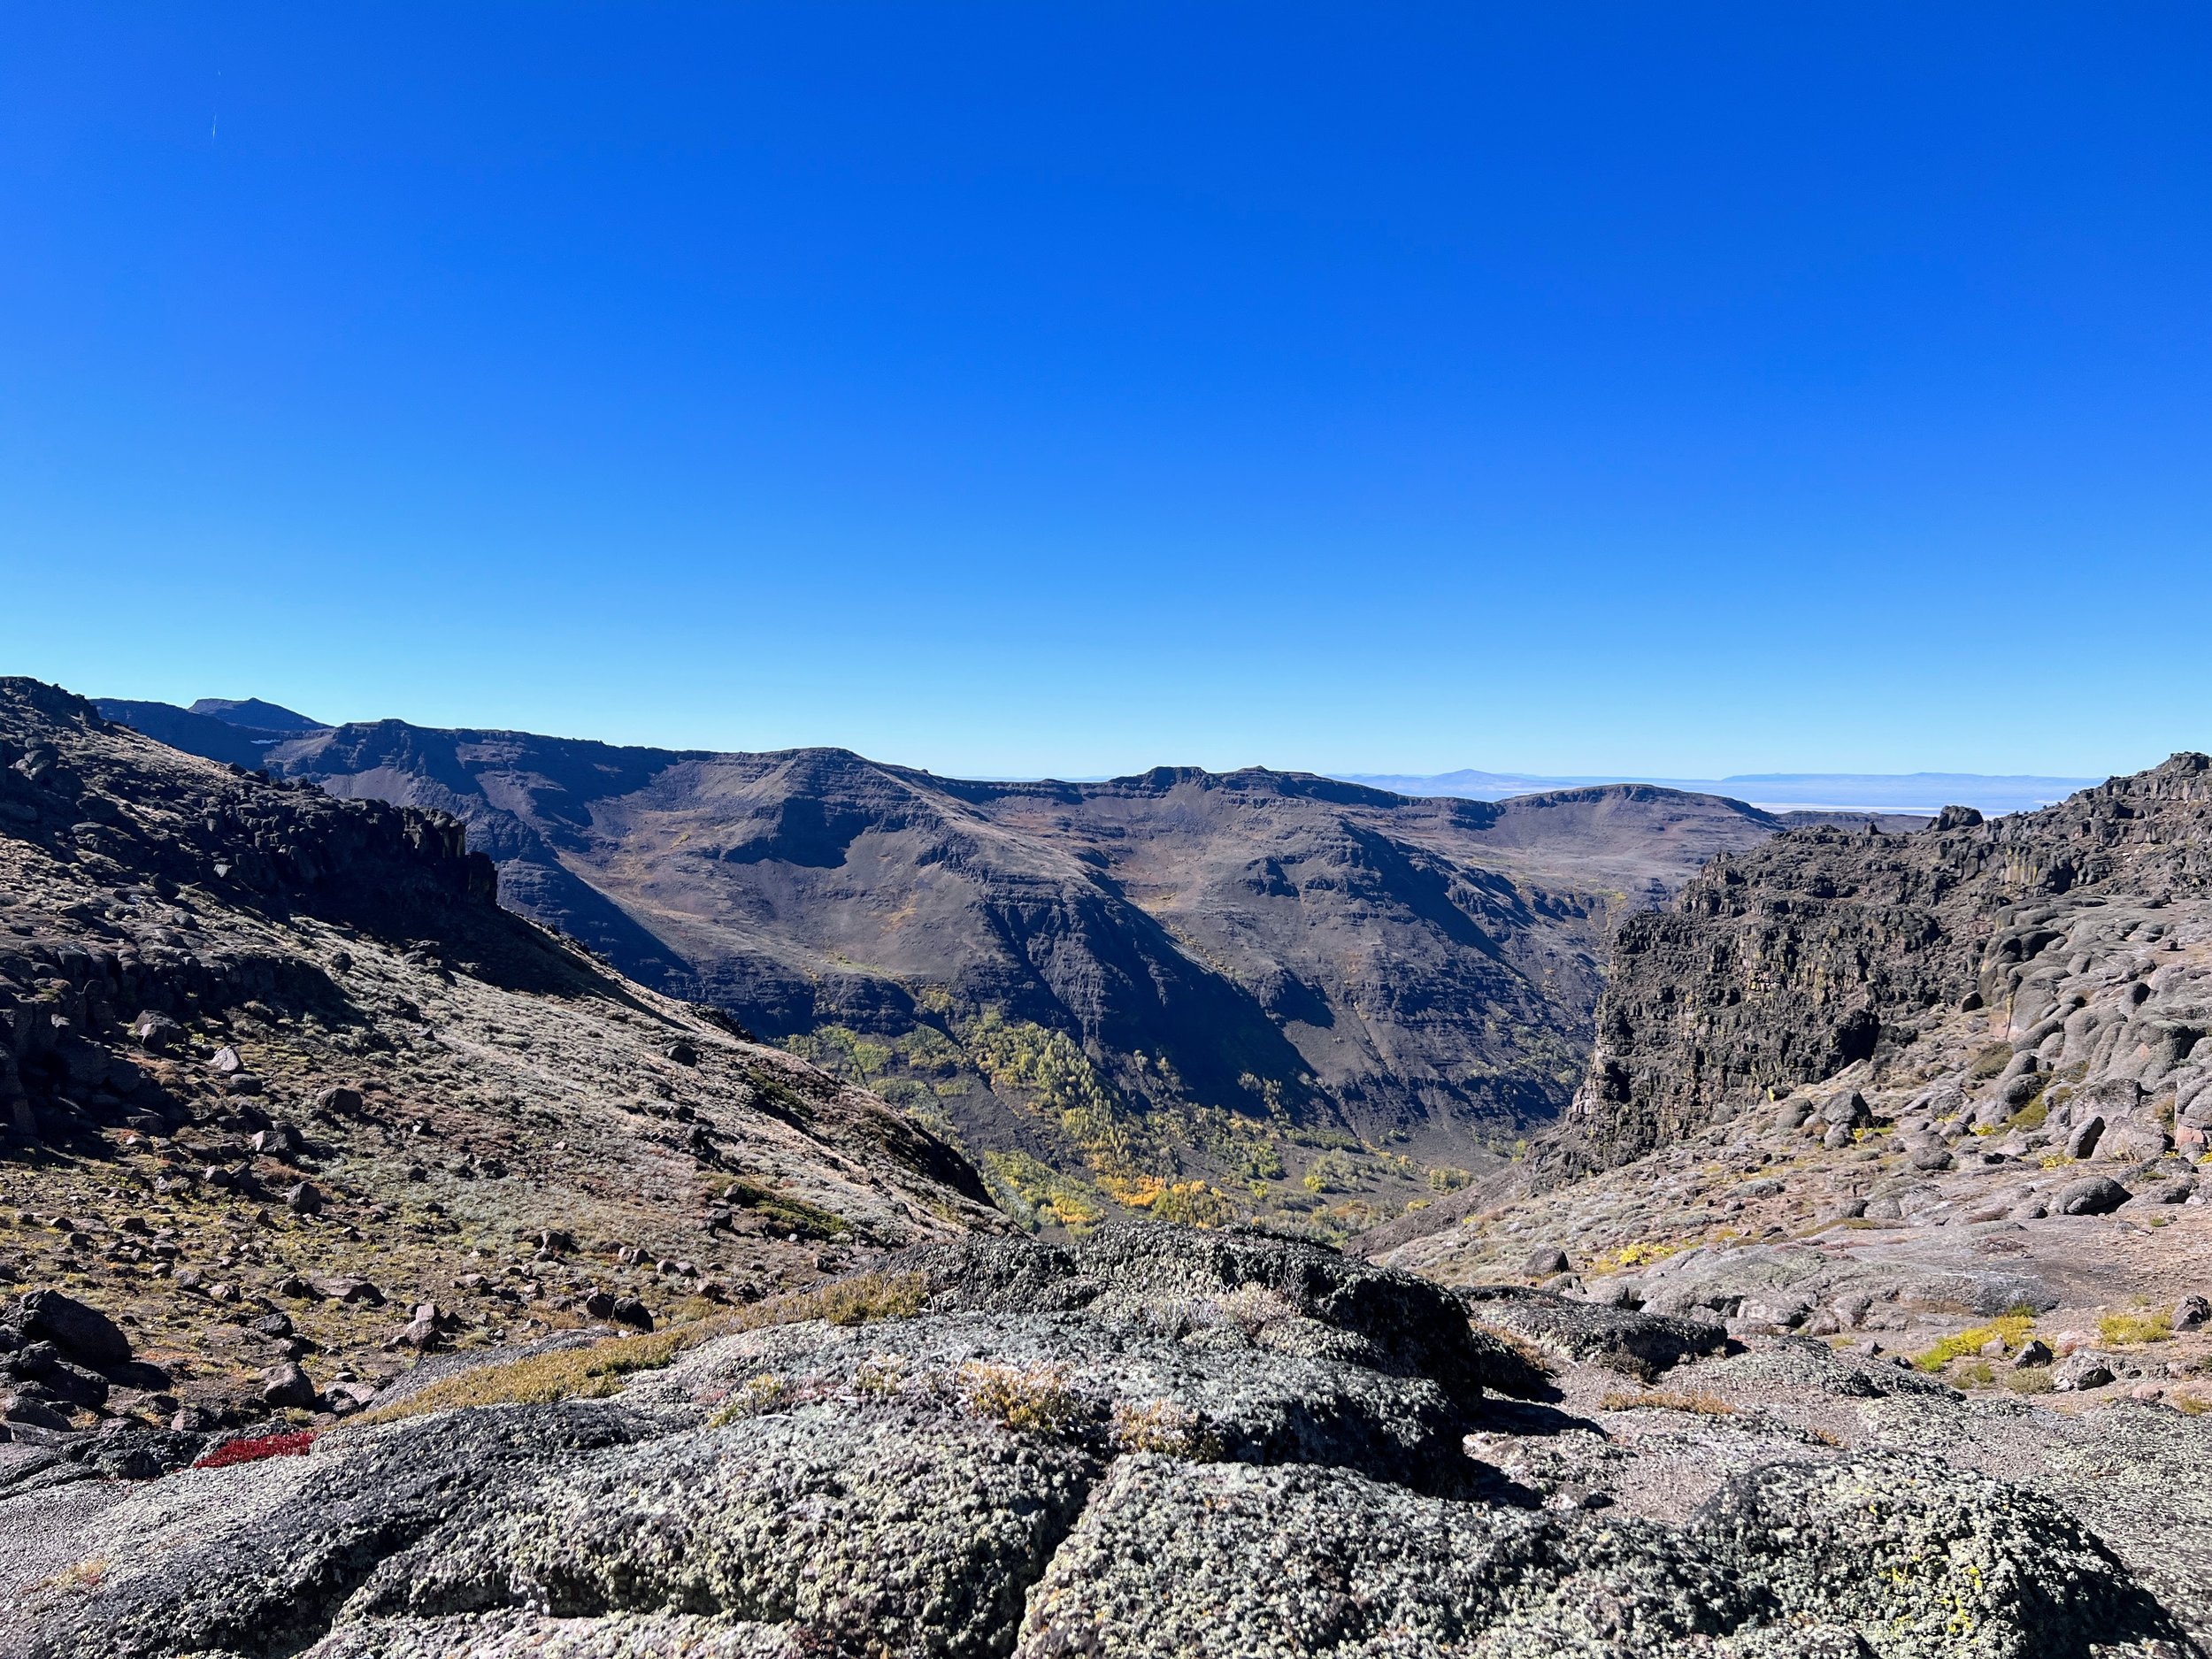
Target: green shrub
1042	1191
1264	1163
2015	1328
2129	1329
1330	1173
1193	1204
1028	1399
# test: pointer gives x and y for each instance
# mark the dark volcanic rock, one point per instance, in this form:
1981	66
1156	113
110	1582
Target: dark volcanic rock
81	1332
1638	1344
1780	966
288	1385
2092	1196
1163	1559
266	1553
1174	1560
1376	1318
839	1524
1850	1541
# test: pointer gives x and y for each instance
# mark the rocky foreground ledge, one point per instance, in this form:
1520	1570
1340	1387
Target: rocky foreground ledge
1151	1441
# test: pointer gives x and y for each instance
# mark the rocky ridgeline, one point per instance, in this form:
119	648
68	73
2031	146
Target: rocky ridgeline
75	784
131	822
1153	1442
1779	967
288	1096
1869	1119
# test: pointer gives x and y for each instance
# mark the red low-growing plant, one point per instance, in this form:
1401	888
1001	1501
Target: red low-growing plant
252	1451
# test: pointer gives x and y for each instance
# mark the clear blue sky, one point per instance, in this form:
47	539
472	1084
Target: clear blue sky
1069	388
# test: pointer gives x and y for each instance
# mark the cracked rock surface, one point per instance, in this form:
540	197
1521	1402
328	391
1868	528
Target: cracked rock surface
1096	1449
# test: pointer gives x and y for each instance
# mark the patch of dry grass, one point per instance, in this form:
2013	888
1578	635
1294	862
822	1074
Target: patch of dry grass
2013	1328
84	1575
1640	1254
755	1396
1028	1399
605	1368
1162	1426
880	1376
1703	1405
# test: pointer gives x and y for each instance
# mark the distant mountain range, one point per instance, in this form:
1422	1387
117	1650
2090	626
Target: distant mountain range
213	724
214	727
1914	792
1302	993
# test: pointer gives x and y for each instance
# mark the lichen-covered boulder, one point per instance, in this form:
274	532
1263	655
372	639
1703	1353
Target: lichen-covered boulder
1325	1304
1933	1560
1621	1339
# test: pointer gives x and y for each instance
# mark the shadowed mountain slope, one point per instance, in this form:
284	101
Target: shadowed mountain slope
198	735
1257	991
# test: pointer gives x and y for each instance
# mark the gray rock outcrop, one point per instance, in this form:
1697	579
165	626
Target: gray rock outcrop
1153	1443
1780	967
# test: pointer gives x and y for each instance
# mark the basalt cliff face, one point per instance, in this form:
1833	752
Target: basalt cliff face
1934	1107
1781	966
